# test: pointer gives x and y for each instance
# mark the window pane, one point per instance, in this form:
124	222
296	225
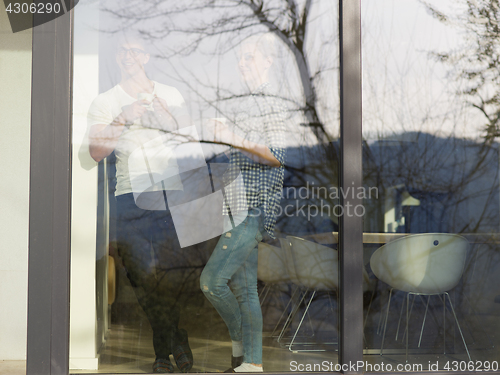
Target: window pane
430	109
205	186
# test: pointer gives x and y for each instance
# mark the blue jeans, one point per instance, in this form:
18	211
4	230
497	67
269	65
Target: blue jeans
235	259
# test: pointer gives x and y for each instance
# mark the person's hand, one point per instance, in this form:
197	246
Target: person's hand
160	107
219	130
133	111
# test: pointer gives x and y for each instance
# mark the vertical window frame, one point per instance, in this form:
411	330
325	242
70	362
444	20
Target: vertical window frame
351	172
50	196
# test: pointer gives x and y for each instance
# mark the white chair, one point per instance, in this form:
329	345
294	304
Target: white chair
422	264
271	268
272	271
299	289
316	268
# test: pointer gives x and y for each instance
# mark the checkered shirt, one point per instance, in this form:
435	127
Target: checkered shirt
261	119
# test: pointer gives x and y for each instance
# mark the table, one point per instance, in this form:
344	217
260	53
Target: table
382	238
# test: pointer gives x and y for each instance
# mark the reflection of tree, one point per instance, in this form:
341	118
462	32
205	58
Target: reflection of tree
455	179
476	63
415	146
304	68
200	22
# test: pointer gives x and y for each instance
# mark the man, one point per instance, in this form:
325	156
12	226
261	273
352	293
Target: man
132	119
258	153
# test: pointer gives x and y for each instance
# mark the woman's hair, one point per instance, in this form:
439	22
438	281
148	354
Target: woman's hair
265	43
128	37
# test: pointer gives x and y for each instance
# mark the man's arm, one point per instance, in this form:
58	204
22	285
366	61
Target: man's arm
272	153
257	152
104	137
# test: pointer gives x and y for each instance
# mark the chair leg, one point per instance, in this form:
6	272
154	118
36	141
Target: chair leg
366	318
331	304
263	290
301	320
311	324
368	311
399	321
444	323
385	322
292	315
264	293
459	329
407	319
273	289
423	323
411	310
380	322
283	313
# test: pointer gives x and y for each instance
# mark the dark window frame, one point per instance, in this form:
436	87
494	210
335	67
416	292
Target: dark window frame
50	196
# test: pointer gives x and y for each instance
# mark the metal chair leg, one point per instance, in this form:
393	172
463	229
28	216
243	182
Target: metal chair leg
291	316
459	329
311	324
399	321
368	309
407	319
423	323
444	323
366	319
264	292
380	323
284	311
385	322
301	320
411	310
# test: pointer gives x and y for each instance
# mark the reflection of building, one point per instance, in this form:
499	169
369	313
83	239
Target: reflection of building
397	206
450	186
430	184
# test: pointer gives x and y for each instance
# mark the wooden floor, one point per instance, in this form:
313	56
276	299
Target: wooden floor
129	346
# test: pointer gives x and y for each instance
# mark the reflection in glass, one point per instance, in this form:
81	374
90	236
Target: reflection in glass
205	169
430	238
134	121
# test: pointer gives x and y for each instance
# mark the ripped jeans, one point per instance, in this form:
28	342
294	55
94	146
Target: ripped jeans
234	260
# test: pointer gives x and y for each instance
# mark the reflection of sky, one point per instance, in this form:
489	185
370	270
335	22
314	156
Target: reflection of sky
212	70
403	89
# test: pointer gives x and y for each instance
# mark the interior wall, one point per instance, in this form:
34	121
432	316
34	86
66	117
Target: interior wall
87	331
15	110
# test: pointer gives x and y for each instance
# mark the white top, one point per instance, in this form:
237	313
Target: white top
145	133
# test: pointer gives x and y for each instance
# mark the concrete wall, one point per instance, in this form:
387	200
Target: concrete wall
15	109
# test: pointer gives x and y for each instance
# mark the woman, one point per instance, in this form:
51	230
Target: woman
257	153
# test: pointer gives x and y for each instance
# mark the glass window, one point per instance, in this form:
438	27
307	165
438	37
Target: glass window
205	187
430	111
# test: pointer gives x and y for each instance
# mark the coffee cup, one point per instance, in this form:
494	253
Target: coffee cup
222	120
147	97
